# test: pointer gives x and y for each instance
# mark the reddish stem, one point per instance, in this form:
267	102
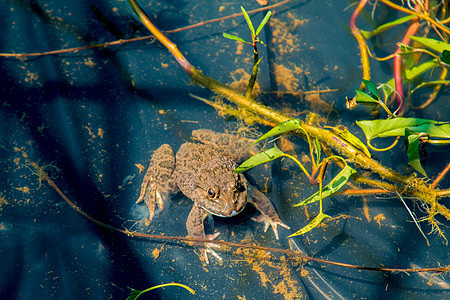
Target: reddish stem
355	15
361	42
412	30
439	178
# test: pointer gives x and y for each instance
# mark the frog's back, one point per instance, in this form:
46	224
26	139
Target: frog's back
199	165
237	149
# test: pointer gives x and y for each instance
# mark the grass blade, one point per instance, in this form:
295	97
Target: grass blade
316	221
233	37
249	22
263	22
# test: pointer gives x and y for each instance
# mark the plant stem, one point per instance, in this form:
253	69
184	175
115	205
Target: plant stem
361	42
418	14
251	82
412	29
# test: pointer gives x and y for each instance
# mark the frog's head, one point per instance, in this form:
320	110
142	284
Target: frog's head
225	197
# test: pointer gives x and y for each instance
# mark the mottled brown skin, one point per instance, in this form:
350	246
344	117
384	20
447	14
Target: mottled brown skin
204	173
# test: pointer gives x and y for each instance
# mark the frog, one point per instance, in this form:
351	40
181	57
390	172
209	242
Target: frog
203	170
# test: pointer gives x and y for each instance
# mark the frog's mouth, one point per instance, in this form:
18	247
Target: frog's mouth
227	214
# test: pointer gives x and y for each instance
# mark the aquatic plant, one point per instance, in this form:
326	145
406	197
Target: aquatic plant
254	44
409	185
136	293
406	57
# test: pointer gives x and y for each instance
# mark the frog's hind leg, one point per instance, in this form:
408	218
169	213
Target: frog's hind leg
158	182
268	214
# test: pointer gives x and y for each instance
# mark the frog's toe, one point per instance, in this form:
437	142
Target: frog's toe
210	251
208	248
268	222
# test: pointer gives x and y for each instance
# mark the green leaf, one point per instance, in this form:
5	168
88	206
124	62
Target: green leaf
260	158
233	37
431	43
368	34
434	131
286	126
349	137
362	97
445	58
415	71
409	74
134	294
316	221
392	127
249	22
334	185
407	54
372	87
388	88
413	140
263	22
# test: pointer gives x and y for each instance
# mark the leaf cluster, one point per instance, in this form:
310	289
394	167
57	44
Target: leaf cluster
273	153
255	38
414	130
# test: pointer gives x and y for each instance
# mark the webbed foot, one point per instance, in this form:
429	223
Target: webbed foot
156	185
268	222
208	248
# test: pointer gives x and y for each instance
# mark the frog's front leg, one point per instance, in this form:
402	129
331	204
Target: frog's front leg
158	181
268	214
196	229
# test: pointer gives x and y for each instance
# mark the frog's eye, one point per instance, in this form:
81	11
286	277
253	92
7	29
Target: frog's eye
212	193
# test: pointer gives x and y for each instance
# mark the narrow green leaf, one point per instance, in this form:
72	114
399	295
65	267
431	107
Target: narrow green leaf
316	221
368	34
233	37
334	185
362	97
352	139
136	293
413	140
263	22
286	126
415	71
392	127
431	43
260	158
249	22
372	87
